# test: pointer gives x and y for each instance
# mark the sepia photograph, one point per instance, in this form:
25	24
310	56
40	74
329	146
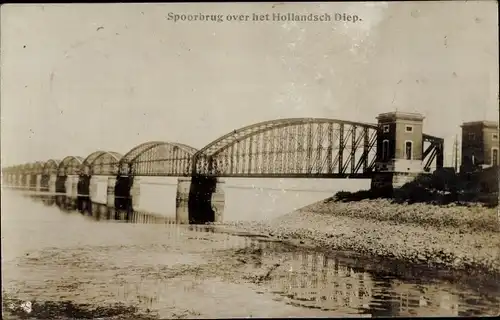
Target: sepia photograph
258	159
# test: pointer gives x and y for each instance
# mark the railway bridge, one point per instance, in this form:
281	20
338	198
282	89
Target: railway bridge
390	152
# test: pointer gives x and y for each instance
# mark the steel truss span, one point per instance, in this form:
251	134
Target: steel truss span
284	148
70	165
101	163
36	168
158	158
294	148
51	167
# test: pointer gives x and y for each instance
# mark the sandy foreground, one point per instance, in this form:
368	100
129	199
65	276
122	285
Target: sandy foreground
164	272
197	276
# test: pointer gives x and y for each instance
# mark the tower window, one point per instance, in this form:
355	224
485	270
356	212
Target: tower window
408	150
386	128
494	136
385	150
409	128
472	136
494	156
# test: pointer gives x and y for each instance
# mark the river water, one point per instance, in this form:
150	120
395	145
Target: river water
60	263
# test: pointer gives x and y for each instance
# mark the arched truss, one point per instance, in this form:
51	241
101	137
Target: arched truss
26	168
101	163
69	166
36	168
158	158
299	147
50	167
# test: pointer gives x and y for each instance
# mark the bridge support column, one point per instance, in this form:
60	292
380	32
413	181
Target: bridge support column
182	200
218	200
110	194
83	185
27	182
135	194
123	200
71	186
52	183
38	184
61	184
204	197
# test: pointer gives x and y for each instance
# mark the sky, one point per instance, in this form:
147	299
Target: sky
76	78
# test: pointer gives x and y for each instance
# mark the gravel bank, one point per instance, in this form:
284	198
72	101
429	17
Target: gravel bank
458	238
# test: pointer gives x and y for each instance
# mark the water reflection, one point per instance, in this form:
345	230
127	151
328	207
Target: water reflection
100	211
314	281
309	280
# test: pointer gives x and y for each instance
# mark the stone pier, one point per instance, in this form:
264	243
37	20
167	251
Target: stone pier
135	193
110	192
61	184
98	189
27	182
71	186
218	201
182	200
122	198
38	183
204	197
52	183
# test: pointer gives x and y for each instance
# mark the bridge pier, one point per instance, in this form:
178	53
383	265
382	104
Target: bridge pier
83	186
61	184
200	199
71	186
122	196
27	181
52	183
36	183
33	179
110	192
135	193
182	200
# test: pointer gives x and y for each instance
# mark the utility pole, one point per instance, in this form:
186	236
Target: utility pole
455	152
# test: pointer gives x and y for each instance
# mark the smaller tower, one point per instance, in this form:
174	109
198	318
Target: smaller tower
480	147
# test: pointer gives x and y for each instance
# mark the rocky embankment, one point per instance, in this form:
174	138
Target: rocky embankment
456	237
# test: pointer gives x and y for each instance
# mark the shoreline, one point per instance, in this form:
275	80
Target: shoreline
465	246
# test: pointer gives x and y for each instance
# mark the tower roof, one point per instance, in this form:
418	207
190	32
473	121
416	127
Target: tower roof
487	124
398	115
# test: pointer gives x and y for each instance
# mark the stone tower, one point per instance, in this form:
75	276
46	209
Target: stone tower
399	149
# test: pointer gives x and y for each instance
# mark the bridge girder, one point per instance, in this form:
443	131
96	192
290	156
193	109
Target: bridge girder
50	167
296	147
70	165
293	147
101	163
157	158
